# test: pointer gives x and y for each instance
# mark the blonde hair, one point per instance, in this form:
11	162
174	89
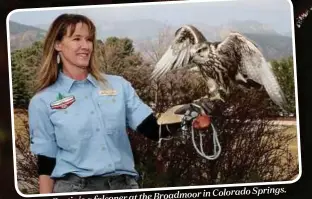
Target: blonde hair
48	72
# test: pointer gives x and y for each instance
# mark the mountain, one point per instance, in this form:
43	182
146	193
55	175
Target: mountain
250	26
288	34
44	27
134	29
22	36
273	44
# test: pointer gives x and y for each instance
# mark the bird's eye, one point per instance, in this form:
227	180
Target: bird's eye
201	49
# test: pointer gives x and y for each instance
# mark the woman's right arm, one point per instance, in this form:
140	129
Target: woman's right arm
45	168
42	142
45	184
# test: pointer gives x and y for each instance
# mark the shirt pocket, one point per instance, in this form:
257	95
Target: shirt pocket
112	110
71	126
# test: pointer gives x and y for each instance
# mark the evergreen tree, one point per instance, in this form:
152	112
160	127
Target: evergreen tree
24	65
284	70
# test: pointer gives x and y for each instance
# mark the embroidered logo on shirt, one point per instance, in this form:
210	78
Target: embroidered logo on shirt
62	102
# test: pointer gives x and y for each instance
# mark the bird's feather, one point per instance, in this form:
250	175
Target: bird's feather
179	52
253	65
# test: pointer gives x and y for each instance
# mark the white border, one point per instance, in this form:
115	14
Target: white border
148	189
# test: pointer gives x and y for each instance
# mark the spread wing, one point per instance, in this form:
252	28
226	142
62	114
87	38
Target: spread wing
252	65
179	52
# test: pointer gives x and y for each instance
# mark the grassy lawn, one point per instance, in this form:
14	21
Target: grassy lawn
294	144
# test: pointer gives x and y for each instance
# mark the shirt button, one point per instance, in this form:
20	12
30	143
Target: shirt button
92	112
103	148
109	165
86	97
97	129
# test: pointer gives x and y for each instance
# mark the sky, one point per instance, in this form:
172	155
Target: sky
275	13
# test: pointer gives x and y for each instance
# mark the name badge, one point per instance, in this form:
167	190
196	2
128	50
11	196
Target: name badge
108	92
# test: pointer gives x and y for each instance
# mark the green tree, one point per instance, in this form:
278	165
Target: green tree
284	70
118	55
24	66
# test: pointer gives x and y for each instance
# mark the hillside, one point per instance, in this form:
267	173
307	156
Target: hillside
273	44
22	36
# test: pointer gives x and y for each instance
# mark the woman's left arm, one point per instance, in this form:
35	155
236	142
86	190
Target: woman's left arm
140	116
150	128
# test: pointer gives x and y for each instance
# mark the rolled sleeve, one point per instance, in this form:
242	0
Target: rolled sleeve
136	109
41	130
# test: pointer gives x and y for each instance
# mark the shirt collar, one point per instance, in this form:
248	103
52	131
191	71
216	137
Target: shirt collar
92	79
67	82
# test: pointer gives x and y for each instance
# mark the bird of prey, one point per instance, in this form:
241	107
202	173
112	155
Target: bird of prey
234	61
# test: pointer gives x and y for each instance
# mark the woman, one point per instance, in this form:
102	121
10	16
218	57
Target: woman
78	116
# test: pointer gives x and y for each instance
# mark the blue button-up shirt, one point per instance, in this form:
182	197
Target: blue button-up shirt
89	136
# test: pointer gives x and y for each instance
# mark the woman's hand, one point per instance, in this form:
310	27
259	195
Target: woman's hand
46	184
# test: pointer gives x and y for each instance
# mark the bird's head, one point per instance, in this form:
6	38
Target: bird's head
200	53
